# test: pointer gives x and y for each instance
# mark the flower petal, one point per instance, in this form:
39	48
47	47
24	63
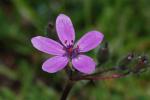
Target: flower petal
90	41
65	29
84	64
55	64
47	45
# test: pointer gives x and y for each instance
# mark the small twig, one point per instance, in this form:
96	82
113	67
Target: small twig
102	71
99	72
100	77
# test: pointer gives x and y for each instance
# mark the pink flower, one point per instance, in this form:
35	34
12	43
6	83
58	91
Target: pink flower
68	51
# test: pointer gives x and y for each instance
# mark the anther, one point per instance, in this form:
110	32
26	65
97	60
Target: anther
71	41
65	42
77	46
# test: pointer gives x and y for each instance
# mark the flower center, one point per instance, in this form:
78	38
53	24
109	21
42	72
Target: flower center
71	52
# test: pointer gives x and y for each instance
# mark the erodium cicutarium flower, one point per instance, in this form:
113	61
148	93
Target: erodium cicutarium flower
68	51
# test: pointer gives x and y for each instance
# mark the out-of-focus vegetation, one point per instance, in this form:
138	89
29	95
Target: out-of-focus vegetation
125	24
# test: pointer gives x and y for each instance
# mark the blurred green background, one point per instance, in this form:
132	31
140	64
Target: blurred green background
125	24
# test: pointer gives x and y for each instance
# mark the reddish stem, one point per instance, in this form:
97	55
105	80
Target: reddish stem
99	77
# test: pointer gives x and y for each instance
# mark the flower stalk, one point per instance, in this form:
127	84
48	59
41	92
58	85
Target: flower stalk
67	90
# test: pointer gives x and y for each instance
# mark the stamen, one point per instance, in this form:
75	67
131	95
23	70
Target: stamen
77	46
71	41
70	50
77	49
65	42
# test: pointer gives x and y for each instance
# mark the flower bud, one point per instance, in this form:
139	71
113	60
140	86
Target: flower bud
125	61
103	54
142	64
50	31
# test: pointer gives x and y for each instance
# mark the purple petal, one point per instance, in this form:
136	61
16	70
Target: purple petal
47	45
90	41
84	64
65	29
55	64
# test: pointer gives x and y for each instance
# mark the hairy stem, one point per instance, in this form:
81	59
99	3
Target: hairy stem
67	90
102	71
100	77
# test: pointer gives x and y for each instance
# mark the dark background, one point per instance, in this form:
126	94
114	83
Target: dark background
125	24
